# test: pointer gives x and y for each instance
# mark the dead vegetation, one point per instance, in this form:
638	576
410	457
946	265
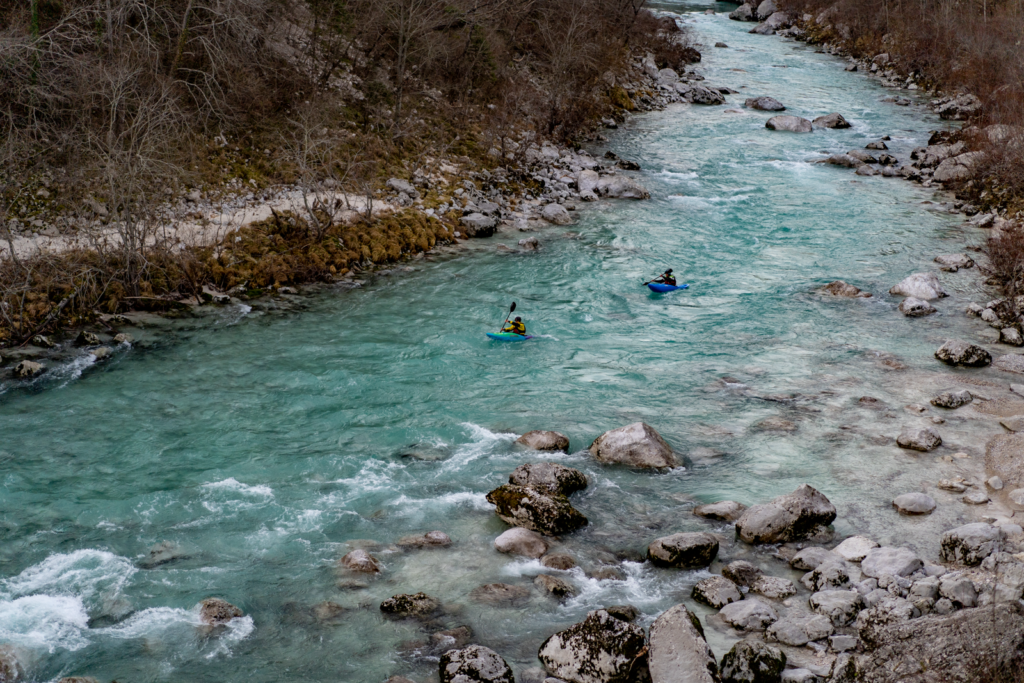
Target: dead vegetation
111	109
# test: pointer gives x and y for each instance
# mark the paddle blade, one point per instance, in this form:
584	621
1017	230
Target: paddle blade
513	309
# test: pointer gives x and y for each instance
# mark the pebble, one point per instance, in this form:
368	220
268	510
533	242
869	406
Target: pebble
915	504
1016	497
995	483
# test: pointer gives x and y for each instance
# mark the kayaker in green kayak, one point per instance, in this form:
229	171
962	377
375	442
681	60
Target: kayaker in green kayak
517	326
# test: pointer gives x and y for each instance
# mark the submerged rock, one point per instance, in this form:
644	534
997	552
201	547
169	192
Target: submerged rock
811	558
549	477
840	288
954	261
793	124
474	664
600	649
418	606
716	591
503	594
558	561
923	286
532	509
691	549
956	352
751	661
790	517
520	541
678	650
217	612
360	561
637	445
162	553
540	440
1010	363
553	585
724	510
431	539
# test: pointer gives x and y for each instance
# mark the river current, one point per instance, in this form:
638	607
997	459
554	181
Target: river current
269	443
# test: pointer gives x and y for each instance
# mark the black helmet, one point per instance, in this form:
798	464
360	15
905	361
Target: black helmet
518	319
669	270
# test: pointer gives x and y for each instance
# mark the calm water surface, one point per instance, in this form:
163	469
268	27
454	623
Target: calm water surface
265	445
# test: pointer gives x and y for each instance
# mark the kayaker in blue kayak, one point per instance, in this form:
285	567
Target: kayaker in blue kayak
517	326
666	278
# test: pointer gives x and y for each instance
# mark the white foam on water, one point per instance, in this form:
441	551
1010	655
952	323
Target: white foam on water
71	370
151	622
478	501
232	484
238	629
44	622
674	175
87	574
483	444
689	201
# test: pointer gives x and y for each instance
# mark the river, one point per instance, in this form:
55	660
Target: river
264	444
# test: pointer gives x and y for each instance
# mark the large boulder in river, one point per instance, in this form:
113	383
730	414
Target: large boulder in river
540	440
474	664
764	103
556	213
790	517
532	509
690	549
752	661
971	543
550	477
217	612
833	120
621	187
520	541
923	286
766	8
637	445
678	652
600	649
793	124
702	94
478	225
957	352
745	12
960	167
1004	458
963	647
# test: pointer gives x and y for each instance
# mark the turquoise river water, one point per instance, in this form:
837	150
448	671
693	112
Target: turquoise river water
268	443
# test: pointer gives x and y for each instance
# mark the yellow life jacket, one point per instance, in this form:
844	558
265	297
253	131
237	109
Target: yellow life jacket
518	328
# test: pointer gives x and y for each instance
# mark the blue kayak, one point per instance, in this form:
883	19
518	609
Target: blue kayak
508	336
661	288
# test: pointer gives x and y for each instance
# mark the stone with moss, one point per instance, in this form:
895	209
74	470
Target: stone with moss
549	514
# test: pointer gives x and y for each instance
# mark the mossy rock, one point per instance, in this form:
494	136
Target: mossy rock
549	514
